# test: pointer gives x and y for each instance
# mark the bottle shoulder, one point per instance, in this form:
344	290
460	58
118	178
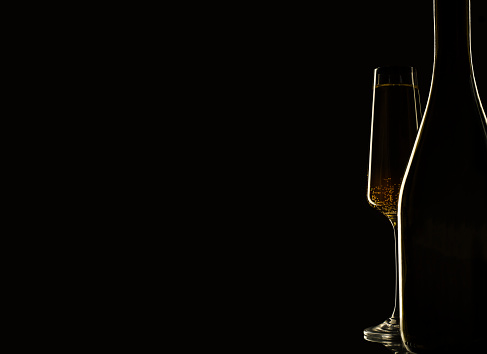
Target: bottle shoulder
454	119
448	163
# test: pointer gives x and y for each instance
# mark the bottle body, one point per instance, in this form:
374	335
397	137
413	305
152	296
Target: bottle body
443	202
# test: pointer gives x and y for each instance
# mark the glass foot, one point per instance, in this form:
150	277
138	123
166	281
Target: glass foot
387	331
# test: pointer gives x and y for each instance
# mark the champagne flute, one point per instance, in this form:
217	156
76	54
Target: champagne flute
395	112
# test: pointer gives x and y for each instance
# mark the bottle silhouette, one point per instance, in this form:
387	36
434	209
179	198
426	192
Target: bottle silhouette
442	215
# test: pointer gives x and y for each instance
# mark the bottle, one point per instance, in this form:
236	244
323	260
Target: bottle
442	215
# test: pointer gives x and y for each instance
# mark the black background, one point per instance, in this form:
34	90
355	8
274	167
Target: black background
326	268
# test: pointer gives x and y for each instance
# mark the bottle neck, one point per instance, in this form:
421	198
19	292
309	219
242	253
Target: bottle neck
452	38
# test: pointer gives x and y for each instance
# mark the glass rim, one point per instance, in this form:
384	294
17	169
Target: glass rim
395	68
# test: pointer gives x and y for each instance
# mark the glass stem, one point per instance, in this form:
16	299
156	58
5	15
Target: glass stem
395	313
